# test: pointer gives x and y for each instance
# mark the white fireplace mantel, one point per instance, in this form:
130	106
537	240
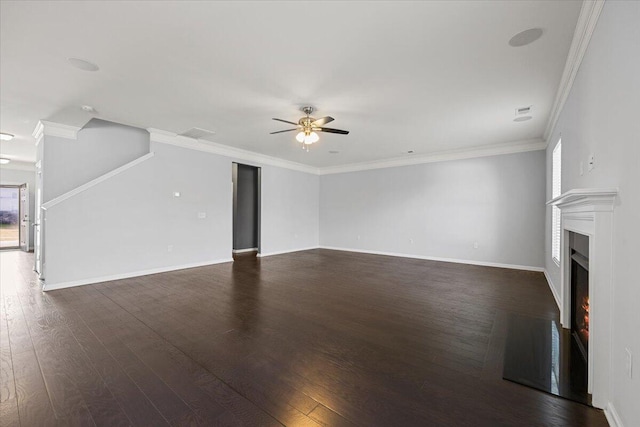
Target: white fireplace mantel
586	199
590	212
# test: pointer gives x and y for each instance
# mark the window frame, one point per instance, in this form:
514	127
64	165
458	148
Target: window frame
556	190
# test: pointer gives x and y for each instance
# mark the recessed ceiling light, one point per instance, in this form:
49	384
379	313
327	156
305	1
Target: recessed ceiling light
82	64
4	161
88	109
522	119
333	152
525	37
6	136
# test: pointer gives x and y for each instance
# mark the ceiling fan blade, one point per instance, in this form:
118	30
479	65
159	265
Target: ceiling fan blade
280	131
330	130
287	121
322	121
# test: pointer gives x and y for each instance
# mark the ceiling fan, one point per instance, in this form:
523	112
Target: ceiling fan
308	126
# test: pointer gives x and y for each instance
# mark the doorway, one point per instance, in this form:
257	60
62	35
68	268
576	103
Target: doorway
246	209
10	216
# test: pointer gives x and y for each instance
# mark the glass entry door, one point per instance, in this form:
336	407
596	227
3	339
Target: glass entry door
9	216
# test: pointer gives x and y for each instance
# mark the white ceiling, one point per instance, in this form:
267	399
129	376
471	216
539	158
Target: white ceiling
427	77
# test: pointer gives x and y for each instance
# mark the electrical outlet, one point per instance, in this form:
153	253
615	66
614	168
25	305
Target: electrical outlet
475	245
202	215
411	241
170	248
358	237
629	363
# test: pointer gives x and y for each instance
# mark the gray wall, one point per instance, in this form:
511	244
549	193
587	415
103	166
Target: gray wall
600	117
131	223
101	147
10	176
246	207
289	213
441	209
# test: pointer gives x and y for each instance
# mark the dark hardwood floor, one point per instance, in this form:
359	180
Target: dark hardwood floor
310	338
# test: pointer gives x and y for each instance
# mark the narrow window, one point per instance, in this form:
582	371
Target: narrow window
556	190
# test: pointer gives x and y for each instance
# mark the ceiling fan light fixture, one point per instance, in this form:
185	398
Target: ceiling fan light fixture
307	128
311	138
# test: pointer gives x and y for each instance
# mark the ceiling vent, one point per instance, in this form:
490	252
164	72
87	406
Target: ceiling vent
523	110
197	133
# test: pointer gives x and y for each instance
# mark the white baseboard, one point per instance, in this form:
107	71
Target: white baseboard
553	289
53	286
242	251
264	254
612	416
431	258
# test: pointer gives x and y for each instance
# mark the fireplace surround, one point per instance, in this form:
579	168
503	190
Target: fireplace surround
589	212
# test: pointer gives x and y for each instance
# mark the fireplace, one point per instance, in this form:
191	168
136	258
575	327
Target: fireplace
588	212
579	278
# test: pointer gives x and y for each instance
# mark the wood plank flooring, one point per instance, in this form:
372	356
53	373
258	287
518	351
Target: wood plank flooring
304	339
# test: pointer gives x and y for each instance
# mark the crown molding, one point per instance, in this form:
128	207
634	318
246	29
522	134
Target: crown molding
48	128
589	14
158	135
467	153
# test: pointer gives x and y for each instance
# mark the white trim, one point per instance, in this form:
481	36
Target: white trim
48	128
593	199
157	135
161	136
96	181
38	132
612	416
590	212
264	254
585	27
93	280
431	258
553	289
242	251
442	156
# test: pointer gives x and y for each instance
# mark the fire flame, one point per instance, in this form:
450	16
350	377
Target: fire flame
584	328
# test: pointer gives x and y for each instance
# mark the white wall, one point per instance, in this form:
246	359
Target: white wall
290	210
101	147
444	207
124	225
600	117
10	176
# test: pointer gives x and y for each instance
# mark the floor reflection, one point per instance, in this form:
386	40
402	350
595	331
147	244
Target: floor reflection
541	354
245	300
